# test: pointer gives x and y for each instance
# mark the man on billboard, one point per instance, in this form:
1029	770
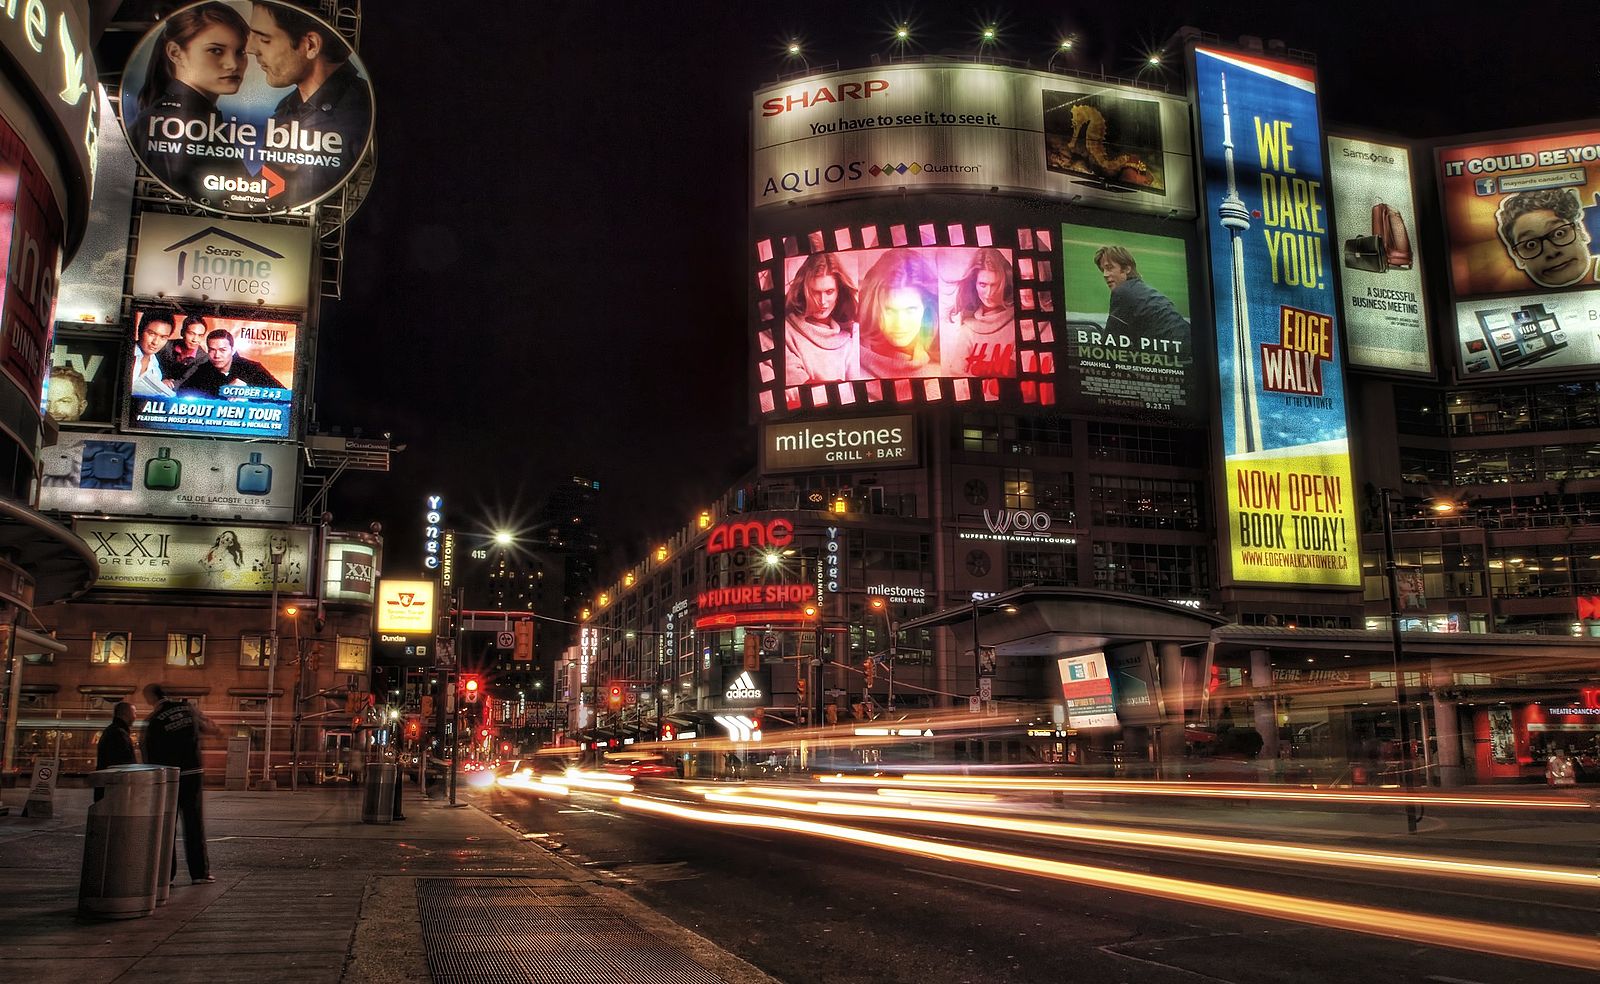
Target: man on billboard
186	349
899	305
329	96
1138	310
1544	233
225	367
985	318
819	341
66	395
149	369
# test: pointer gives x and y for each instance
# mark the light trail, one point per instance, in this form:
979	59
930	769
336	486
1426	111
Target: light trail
1217	846
1155	788
1506	941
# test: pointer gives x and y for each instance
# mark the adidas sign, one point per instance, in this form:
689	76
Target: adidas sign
743	688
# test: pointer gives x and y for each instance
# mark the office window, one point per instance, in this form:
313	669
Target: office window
1055	566
186	649
1145	503
352	654
255	650
1156	570
1147	445
1019	488
980	432
111	648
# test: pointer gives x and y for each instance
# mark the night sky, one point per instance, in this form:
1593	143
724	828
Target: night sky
548	278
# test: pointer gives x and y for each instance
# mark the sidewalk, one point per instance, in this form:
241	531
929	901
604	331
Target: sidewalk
307	894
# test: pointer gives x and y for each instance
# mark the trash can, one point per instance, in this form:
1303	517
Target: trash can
122	843
377	802
169	832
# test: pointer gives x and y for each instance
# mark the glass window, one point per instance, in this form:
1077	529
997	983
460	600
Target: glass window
1145	503
255	650
352	654
111	648
1019	488
1156	570
1147	445
186	649
980	432
1056	566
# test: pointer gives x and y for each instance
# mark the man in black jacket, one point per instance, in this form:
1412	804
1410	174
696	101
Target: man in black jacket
116	742
172	738
224	367
1139	311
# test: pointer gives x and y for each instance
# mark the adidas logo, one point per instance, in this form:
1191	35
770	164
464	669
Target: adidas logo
743	688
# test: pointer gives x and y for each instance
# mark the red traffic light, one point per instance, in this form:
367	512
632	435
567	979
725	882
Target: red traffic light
614	696
469	689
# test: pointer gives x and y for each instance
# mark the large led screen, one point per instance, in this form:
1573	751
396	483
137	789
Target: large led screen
132	475
1375	216
157	556
193	373
981	127
247	108
82	386
1129	343
1291	510
1523	216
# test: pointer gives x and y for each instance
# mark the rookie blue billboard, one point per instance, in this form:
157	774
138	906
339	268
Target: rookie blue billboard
1291	509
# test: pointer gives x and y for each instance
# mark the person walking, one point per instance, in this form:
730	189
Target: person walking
116	743
172	738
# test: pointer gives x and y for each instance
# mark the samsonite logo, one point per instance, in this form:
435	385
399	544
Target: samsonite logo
268	186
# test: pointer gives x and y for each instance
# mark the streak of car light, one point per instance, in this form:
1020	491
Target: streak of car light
1461	934
1191	844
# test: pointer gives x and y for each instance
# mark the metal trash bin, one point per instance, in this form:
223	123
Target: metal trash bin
169	833
377	801
122	843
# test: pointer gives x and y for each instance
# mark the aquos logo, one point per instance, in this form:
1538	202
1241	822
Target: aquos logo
270	185
796	182
1017	521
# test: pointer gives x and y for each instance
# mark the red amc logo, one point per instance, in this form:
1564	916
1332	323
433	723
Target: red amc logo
742	536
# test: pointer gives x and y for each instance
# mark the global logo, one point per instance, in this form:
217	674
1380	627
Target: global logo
269	185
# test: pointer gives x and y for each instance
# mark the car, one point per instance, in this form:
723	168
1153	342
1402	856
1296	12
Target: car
639	766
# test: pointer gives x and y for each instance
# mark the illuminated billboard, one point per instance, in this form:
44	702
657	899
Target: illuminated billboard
91	287
1129	346
978	127
1385	303
192	373
1291	507
1522	216
350	571
247	108
1086	688
406	608
30	265
223	261
132	475
82	388
866	442
157	556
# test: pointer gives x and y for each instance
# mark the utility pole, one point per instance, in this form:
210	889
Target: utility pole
1396	654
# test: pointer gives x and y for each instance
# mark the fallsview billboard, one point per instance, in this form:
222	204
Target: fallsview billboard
247	108
1289	498
981	127
193	373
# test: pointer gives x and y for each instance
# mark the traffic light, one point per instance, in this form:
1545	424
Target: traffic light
800	683
470	685
413	729
871	668
483	733
668	732
614	697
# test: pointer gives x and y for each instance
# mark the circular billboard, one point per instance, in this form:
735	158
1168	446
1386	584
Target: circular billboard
247	108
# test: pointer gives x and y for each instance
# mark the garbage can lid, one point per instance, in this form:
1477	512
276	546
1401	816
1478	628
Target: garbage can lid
128	774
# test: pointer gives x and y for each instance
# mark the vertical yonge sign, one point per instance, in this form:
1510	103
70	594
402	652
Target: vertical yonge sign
433	532
1291	512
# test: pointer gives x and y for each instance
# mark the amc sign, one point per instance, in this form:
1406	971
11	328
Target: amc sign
752	534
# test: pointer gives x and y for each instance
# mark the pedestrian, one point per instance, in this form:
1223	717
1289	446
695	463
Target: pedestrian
1559	769
172	738
116	743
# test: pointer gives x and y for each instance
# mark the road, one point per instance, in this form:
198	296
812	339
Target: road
811	909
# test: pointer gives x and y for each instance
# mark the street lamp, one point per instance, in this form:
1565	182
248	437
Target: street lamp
277	546
1397	651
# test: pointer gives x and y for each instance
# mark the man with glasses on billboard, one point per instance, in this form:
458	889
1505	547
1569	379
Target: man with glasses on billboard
1543	231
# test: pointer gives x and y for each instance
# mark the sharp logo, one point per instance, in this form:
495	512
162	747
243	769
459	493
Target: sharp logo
743	688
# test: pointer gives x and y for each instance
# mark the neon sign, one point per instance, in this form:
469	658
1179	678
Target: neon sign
742	536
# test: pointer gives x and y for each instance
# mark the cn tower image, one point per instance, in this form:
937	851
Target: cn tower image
1235	218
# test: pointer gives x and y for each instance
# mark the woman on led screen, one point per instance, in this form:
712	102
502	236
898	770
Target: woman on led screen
983	339
899	306
201	59
819	341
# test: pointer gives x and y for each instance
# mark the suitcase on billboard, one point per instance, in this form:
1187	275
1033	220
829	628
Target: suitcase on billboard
1365	253
1390	227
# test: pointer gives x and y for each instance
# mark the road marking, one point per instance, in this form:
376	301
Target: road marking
1450	980
969	881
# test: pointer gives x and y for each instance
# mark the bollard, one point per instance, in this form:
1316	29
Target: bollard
377	800
169	832
122	843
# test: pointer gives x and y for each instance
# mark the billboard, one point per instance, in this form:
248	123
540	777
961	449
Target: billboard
202	374
1291	507
131	475
247	108
1086	687
865	306
1129	342
82	388
157	556
350	571
223	261
1385	303
406	608
862	442
91	287
30	264
1522	216
979	127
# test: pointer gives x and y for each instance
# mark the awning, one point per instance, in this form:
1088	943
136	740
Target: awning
61	565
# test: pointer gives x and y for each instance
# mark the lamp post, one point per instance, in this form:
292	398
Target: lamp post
277	546
293	611
1397	651
977	648
881	604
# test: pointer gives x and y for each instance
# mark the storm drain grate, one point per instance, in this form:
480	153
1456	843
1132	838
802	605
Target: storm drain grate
502	931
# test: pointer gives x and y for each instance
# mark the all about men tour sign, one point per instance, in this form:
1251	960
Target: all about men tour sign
247	108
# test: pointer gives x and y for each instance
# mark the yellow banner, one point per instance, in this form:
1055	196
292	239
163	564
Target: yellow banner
1293	518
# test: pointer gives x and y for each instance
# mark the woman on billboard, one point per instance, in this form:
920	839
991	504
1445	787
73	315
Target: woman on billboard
984	339
819	341
200	58
899	306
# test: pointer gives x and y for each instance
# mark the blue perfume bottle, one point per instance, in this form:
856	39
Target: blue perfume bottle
255	478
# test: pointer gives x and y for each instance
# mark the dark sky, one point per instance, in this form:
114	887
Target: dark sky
549	276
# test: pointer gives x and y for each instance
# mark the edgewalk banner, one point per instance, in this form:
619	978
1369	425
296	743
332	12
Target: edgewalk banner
1290	507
